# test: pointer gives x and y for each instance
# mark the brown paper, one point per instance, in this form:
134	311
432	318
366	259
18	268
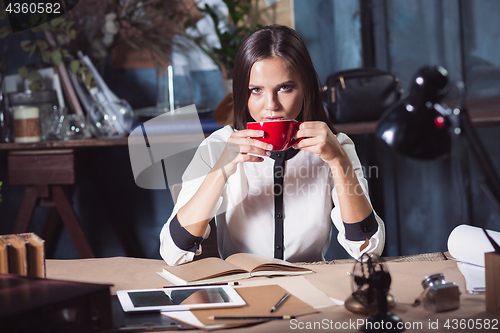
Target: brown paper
259	301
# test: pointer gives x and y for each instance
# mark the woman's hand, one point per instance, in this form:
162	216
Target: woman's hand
320	140
242	147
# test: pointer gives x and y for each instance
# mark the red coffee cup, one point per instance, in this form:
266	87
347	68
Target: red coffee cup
279	133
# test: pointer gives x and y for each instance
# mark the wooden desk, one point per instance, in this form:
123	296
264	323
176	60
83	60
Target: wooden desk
34	196
330	277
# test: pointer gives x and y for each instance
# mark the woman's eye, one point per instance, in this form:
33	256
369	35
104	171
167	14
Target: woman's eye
286	88
255	90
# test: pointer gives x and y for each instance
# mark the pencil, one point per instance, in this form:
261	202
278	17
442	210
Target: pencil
274	308
253	318
203	285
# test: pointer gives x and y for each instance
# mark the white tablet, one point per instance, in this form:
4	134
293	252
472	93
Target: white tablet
179	298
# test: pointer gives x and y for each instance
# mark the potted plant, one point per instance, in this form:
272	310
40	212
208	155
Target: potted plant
243	20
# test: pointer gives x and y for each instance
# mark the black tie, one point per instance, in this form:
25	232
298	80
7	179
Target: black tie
279	157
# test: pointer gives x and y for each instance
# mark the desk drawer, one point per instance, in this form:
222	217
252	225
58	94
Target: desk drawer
41	169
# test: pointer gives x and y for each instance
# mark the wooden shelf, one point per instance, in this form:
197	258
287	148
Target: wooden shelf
483	111
65	144
356	128
87	143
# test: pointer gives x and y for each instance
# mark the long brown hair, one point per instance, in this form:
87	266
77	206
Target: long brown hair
283	42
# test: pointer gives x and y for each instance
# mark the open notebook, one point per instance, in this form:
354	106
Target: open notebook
235	267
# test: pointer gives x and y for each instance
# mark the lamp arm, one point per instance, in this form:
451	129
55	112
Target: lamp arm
490	183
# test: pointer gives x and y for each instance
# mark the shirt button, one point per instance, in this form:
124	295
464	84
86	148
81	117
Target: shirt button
278	215
278	247
279	155
365	229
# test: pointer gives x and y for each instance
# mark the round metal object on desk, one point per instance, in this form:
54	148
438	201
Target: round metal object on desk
433	280
355	306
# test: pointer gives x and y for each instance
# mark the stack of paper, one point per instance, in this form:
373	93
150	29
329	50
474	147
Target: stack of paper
468	245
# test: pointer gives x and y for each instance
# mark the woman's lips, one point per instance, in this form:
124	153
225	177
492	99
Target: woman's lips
273	118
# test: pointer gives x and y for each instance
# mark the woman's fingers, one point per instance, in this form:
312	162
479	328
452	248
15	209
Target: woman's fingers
249	144
318	139
248	149
241	147
312	129
311	133
248	133
311	144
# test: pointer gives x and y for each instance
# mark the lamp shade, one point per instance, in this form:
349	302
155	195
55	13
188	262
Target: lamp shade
416	127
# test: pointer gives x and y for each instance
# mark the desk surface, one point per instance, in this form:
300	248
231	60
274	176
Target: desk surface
330	277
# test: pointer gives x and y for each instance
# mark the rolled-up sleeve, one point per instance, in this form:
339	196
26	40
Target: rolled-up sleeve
182	238
368	235
362	230
177	245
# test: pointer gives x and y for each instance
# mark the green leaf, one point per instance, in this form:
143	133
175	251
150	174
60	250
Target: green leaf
34	76
33	49
42	44
25	45
72	34
88	79
55	22
23	71
45	27
74	65
56	57
35	86
46	56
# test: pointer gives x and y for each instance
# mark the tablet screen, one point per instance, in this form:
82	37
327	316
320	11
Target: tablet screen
179	298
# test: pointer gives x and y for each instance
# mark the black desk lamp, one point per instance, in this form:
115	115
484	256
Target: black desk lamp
421	126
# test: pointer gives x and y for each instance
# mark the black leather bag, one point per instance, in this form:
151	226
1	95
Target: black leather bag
359	95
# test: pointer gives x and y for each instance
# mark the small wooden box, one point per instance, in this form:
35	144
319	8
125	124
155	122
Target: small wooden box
492	267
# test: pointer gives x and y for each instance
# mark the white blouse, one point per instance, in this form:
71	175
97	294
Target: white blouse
245	213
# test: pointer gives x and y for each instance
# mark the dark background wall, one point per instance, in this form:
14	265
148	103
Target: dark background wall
421	202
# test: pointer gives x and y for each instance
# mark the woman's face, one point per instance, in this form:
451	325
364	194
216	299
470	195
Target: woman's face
276	92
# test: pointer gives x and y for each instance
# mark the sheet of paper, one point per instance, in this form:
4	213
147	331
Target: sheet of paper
189	318
297	286
259	300
337	301
474	277
468	244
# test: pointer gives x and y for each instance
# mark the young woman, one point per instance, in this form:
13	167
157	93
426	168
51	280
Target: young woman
278	204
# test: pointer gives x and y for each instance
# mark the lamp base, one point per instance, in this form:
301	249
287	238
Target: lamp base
384	322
